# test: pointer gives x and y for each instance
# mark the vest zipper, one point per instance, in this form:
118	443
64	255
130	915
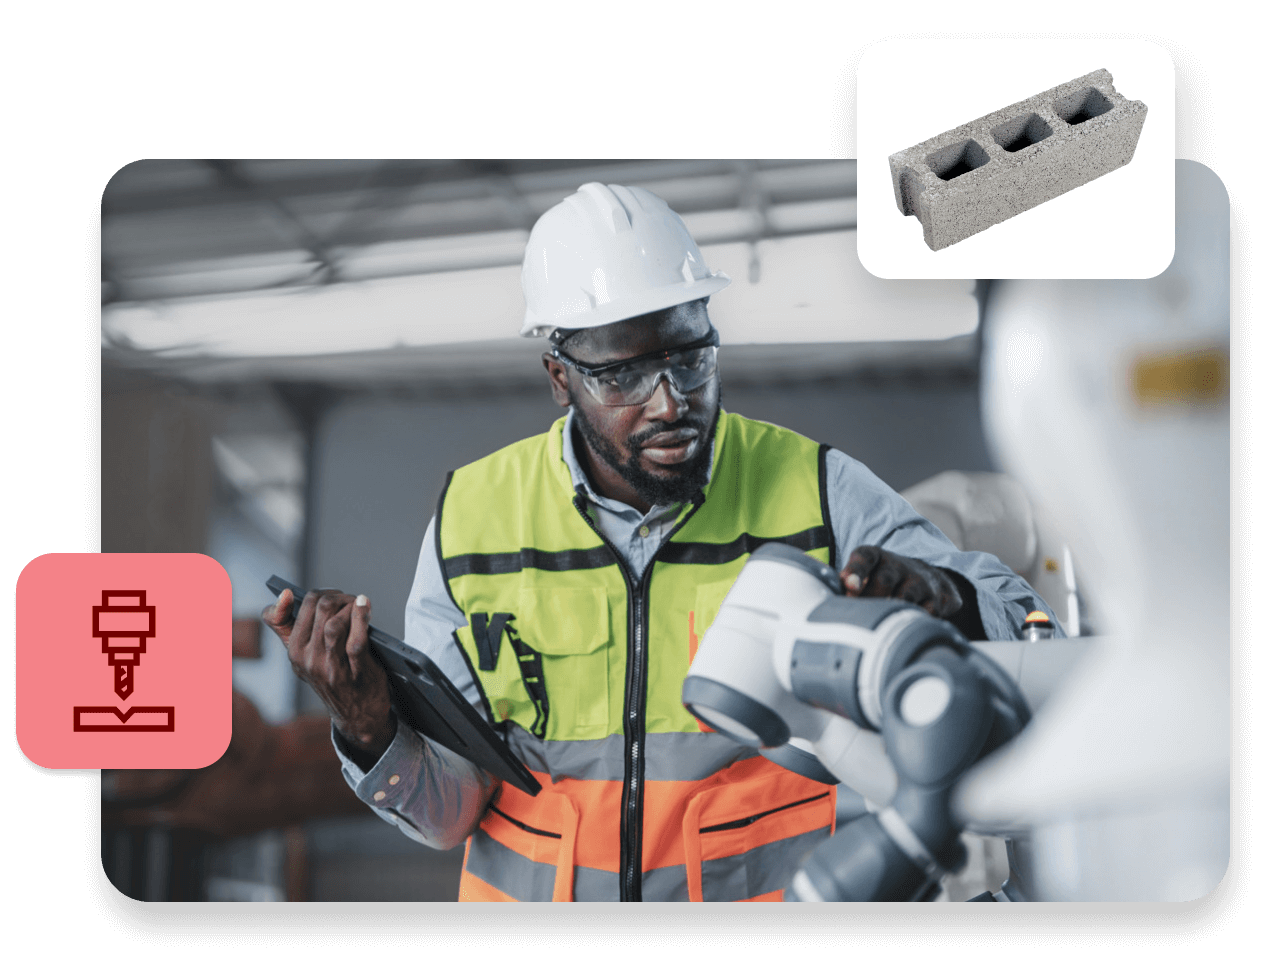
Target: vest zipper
638	676
633	768
632	750
633	717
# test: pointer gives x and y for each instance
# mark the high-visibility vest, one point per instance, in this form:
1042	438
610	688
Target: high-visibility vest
583	669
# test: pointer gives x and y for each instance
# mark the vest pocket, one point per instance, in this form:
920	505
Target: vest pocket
745	840
570	629
527	857
548	670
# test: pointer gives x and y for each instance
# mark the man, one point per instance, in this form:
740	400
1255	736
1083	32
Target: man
565	581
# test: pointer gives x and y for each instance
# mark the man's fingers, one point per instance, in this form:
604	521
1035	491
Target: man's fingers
305	620
335	631
328	603
358	638
277	615
329	649
871	572
305	625
916	590
862	561
886	579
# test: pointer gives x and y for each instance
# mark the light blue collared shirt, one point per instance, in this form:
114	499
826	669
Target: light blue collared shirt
636	537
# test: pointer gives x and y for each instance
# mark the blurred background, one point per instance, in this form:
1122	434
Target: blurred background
295	353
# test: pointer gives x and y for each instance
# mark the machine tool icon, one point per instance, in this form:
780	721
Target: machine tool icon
124	622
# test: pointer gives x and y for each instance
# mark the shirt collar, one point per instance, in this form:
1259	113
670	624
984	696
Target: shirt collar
582	483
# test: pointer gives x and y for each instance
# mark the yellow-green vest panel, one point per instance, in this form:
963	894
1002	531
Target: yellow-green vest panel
547	604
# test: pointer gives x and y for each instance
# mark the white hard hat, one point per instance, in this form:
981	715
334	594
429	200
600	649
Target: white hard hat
606	254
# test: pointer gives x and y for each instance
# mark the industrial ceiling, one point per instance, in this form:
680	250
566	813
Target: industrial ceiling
367	272
180	228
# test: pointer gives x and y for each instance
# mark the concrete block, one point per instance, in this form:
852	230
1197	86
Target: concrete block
982	173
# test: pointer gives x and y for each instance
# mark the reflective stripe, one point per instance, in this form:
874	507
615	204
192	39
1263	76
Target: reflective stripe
515	875
666	884
558	561
690	756
596	886
756	874
759	871
713	553
668	756
472	889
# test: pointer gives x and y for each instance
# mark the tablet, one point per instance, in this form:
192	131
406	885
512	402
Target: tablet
429	702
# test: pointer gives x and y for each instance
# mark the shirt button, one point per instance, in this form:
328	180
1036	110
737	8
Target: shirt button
380	795
643	531
394	779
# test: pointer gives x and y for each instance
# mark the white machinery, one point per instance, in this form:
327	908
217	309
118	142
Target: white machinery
891	701
1121	782
1106	400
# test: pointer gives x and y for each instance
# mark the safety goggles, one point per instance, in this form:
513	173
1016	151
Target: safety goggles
631	381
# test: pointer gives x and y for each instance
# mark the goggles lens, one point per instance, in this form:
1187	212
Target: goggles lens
635	383
626	384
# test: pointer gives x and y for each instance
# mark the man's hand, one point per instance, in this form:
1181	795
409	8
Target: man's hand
328	647
874	572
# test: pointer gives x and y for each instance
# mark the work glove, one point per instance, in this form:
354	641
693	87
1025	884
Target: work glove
876	572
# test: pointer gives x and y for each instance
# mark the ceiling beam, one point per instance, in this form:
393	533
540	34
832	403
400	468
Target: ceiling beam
231	174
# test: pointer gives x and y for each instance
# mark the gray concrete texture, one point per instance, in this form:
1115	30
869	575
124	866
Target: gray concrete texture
982	173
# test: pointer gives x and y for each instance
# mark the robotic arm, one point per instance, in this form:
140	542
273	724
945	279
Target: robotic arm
1120	790
891	701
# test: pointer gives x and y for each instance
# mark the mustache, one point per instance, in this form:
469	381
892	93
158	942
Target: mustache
636	443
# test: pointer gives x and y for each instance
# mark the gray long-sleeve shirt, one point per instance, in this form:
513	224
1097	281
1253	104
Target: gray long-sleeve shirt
437	797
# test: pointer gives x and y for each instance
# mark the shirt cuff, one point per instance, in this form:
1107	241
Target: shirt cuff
377	784
432	794
364	759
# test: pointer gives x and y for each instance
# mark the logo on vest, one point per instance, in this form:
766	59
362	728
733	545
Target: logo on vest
487	632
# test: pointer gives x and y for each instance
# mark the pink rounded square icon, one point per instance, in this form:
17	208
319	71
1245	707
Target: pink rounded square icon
124	660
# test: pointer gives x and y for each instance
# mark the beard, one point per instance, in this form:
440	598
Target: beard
688	478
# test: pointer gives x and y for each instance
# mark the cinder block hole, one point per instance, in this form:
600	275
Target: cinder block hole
957	159
1081	106
1021	132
